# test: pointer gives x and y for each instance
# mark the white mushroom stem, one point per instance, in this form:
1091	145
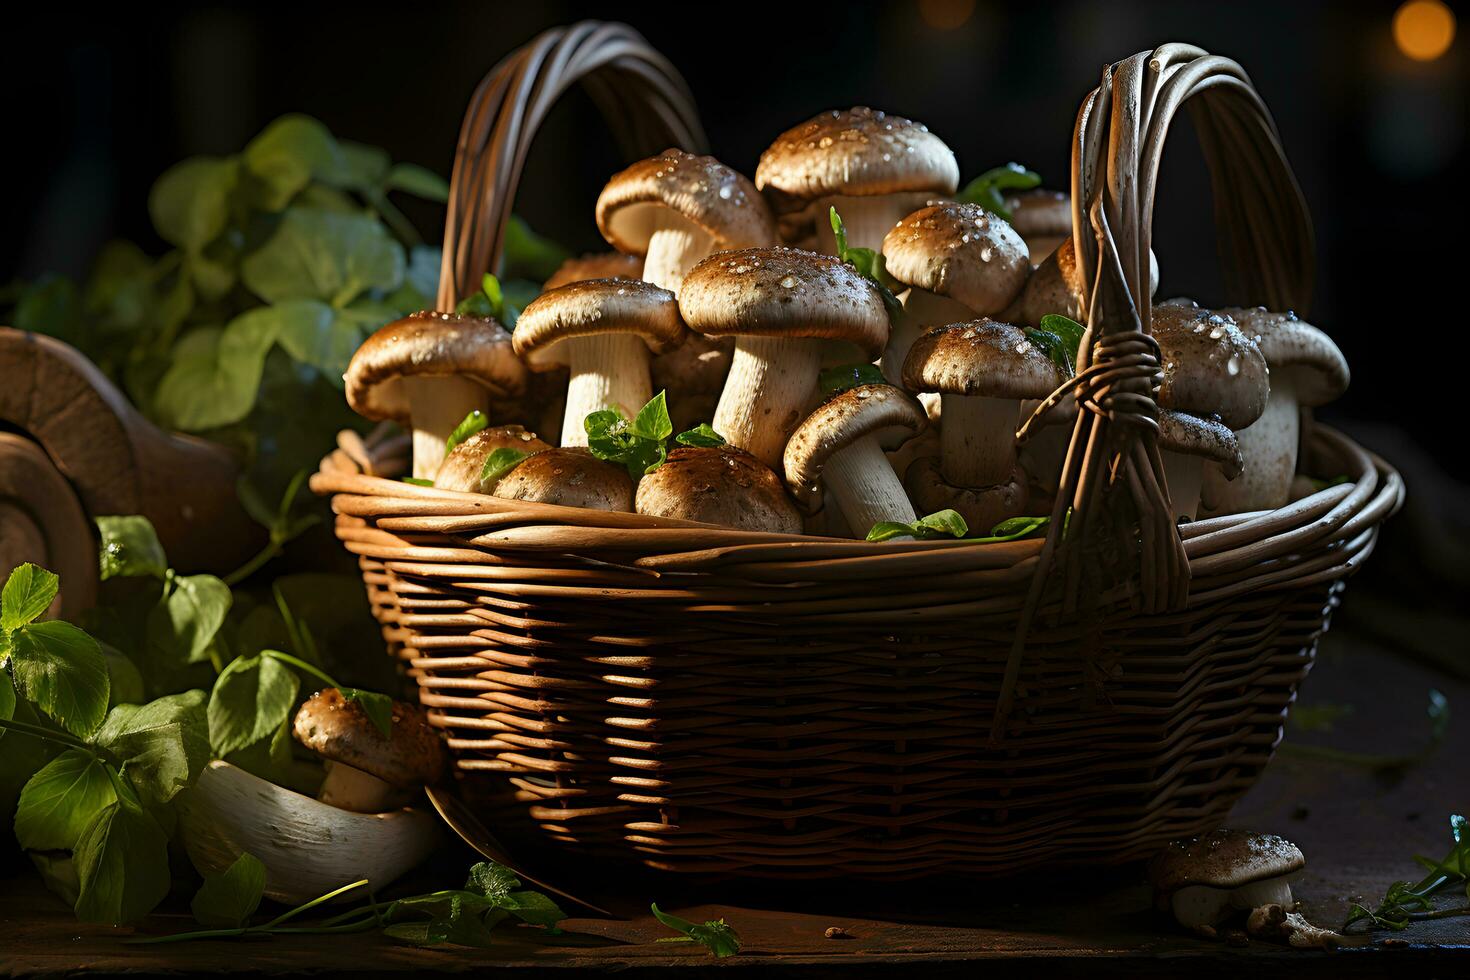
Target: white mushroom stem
437	404
867	219
1184	476
352	789
1205	905
866	488
1042	454
607	371
1269	447
674	249
977	440
922	310
770	386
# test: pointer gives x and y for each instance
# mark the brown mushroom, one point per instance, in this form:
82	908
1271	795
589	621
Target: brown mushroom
595	265
464	467
1187	445
1042	217
1204	879
367	771
718	485
570	476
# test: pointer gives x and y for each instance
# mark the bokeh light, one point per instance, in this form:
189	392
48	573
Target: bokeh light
946	15
1424	29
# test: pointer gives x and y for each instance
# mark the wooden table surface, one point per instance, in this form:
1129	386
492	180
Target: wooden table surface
1357	830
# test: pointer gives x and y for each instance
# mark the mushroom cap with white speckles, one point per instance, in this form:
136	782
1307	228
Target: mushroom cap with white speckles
1190	435
1224	859
891	414
1291	344
463	467
1210	366
706	193
961	251
595	265
983	358
718	485
571	477
596	306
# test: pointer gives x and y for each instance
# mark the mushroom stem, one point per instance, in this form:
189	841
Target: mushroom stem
673	250
865	486
866	219
607	371
1183	475
921	310
352	789
771	383
977	439
437	404
1269	446
1043	453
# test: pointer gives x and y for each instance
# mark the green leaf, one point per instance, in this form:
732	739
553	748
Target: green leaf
28	592
288	154
1053	347
190	203
418	181
323	255
60	669
525	253
702	435
124	681
417	481
986	189
184	624
716	934
501	462
59	802
870	264
940	524
215	376
130	547
638	445
122	864
1066	328
488	302
652	420
163	744
468	426
533	907
378	707
51	306
228	900
1014	528
365	168
492	880
844	377
315	334
7	698
252	698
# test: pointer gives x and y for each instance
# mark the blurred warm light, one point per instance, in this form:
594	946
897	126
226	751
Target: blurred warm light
946	15
1424	29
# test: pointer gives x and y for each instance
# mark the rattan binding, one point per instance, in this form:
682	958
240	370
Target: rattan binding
707	700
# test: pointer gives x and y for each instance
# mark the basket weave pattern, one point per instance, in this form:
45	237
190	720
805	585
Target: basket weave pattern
709	700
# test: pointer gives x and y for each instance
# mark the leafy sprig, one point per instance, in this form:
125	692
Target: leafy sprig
1059	337
949	524
987	189
1405	902
474	422
870	264
716	935
641	443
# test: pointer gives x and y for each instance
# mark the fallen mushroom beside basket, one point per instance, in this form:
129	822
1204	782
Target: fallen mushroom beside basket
358	826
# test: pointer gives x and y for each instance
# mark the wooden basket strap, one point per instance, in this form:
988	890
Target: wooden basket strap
644	99
1112	524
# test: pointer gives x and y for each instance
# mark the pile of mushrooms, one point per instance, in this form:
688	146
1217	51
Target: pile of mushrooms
729	296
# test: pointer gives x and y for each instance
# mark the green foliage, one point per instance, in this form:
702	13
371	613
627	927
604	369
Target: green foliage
716	935
702	436
59	802
1059	338
121	861
870	264
948	524
472	423
843	377
130	547
231	897
642	443
1404	902
501	462
250	702
987	190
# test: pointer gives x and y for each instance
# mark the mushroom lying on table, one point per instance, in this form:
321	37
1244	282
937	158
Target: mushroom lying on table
571	477
1206	879
982	371
430	370
842	444
367	771
718	485
465	466
959	262
785	307
604	331
1307	370
873	167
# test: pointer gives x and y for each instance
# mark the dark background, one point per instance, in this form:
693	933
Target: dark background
96	104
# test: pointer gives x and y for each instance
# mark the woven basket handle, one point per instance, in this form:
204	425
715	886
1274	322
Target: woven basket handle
644	99
1112	536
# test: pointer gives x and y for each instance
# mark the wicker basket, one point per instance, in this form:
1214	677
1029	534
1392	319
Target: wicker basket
708	700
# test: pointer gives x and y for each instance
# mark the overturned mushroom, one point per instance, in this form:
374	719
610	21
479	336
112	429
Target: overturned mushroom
1203	880
367	771
842	445
603	330
464	467
571	477
430	370
718	485
959	262
784	306
873	167
1307	370
1187	444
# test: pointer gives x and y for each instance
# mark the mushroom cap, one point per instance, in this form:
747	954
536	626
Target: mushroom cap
790	292
891	414
981	507
1292	344
596	306
595	265
1040	212
718	485
1223	859
854	152
961	251
570	476
339	730
462	467
1210	366
701	189
982	357
1190	435
428	344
